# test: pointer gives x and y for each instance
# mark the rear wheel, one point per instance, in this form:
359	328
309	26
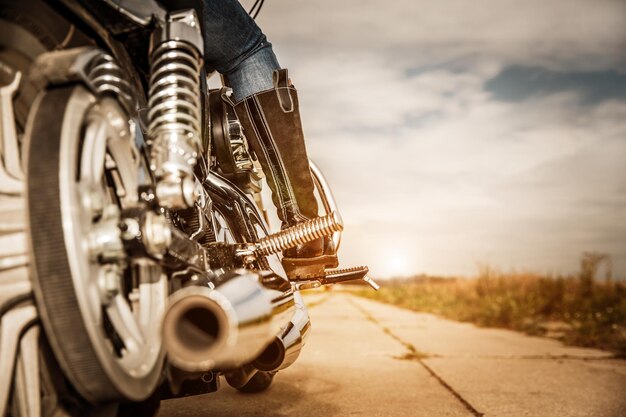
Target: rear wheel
97	307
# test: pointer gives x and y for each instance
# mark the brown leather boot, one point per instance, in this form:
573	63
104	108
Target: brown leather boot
271	123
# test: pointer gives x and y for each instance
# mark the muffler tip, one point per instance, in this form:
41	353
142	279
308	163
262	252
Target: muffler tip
194	328
225	327
272	357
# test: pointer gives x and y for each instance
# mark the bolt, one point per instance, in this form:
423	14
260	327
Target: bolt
130	228
249	260
146	194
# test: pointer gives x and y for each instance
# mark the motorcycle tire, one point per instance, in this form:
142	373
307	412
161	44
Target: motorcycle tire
70	157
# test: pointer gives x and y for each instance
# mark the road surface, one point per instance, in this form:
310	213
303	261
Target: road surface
368	359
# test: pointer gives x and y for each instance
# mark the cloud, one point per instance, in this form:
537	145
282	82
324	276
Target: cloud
517	83
457	134
554	33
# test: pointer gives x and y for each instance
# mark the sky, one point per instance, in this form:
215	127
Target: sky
457	134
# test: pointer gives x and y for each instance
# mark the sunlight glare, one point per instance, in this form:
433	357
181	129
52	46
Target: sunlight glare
397	264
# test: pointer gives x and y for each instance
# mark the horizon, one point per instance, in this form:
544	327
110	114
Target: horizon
456	136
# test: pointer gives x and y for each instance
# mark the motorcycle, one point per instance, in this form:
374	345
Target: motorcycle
136	260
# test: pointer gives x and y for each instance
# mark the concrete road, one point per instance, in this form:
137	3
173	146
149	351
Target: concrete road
369	359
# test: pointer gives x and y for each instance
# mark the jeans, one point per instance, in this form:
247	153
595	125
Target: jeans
237	48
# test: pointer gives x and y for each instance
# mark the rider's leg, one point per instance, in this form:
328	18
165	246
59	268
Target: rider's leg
267	105
236	47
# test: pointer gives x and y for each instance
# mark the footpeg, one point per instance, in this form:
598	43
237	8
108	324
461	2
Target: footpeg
338	276
307	232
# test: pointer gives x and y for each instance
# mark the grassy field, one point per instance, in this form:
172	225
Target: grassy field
578	310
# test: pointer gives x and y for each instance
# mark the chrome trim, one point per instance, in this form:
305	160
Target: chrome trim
236	205
286	348
225	327
175	111
328	199
375	286
139	11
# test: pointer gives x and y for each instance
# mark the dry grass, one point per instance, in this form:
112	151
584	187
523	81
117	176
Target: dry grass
576	309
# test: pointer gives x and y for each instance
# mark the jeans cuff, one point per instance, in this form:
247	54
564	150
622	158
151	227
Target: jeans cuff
253	74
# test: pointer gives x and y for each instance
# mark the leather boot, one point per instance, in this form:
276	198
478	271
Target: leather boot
271	123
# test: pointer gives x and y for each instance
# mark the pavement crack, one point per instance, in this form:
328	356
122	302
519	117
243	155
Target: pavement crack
412	356
417	356
447	386
539	357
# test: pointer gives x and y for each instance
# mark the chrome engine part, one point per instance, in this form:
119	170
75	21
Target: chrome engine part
104	76
234	160
91	66
327	198
226	326
286	348
175	111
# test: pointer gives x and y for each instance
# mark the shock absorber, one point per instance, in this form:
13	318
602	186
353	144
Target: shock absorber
174	116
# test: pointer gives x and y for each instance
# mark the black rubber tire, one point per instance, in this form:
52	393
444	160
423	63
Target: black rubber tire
258	383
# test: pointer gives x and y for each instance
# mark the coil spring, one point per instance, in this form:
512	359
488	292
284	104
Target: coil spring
106	76
175	93
299	234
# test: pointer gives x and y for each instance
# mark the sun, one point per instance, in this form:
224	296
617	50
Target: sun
397	264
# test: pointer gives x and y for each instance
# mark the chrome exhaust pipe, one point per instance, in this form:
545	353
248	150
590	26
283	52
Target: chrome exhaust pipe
281	353
227	326
286	347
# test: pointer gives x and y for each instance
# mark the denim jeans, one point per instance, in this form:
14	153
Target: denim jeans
237	48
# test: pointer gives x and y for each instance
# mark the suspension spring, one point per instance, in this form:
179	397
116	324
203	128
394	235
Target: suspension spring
106	76
299	234
174	126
